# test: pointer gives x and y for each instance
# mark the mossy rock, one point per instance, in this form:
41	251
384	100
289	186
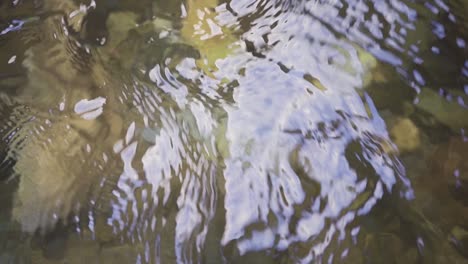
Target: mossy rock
450	113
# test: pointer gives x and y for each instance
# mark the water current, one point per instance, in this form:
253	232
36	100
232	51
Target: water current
242	131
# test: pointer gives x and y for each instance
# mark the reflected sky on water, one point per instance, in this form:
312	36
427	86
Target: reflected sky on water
253	131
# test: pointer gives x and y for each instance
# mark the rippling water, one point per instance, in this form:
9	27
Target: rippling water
233	131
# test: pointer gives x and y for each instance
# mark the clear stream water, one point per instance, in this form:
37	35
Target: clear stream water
244	131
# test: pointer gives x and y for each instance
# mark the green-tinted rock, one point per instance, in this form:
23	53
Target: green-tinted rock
449	113
459	239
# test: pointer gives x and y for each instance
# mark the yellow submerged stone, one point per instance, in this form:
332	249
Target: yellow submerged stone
203	30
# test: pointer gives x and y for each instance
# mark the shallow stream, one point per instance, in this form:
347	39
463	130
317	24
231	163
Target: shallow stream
243	131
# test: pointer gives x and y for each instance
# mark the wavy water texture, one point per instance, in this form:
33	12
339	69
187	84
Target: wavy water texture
241	131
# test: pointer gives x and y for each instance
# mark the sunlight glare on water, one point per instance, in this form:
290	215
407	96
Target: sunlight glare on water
233	131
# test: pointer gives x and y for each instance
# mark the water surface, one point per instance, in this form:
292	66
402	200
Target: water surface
239	131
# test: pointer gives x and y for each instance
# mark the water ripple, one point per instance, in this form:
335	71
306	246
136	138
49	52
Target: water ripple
245	130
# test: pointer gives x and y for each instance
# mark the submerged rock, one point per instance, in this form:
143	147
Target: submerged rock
204	28
449	166
381	247
57	114
405	135
451	113
459	239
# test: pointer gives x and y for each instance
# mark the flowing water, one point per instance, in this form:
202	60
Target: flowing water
243	131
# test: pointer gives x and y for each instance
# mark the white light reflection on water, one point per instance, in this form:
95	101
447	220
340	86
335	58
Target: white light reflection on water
282	132
279	149
266	127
